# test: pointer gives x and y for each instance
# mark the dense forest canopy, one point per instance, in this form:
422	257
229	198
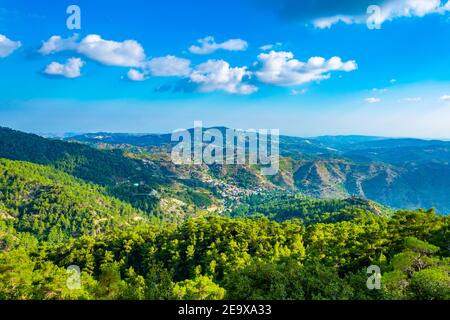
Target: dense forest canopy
270	245
218	257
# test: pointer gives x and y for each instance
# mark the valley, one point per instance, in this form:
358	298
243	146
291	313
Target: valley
399	173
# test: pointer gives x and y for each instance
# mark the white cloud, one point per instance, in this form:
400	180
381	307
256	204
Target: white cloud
208	45
295	92
135	75
217	75
8	46
328	22
393	81
213	75
168	66
71	69
267	47
410	8
412	99
280	68
128	53
445	98
389	10
373	100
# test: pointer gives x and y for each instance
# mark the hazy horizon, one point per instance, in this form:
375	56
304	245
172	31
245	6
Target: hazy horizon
64	134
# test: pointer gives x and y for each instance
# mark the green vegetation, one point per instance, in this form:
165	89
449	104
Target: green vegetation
128	179
63	212
398	173
281	207
215	258
55	206
110	169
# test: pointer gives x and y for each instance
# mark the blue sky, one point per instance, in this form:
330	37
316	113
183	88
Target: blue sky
307	68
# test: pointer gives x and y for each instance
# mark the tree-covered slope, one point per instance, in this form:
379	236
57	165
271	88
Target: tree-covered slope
399	173
217	258
145	184
56	206
281	207
401	186
50	220
84	162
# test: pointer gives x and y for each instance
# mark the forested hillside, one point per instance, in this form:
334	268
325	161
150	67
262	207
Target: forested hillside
140	183
398	173
281	207
107	168
263	243
217	258
55	206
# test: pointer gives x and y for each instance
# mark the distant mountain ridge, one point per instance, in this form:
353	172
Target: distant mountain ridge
75	171
396	172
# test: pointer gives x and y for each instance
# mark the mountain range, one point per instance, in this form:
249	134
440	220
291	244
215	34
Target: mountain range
140	227
396	172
